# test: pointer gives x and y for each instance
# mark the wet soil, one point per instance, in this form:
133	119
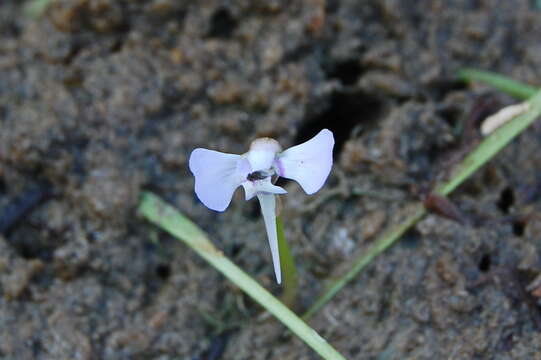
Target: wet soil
102	99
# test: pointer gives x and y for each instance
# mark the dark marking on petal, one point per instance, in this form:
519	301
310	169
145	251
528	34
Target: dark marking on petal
256	175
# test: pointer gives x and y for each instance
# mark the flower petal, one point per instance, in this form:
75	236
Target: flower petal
308	163
217	175
251	188
268	210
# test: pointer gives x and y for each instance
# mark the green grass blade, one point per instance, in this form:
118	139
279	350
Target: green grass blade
167	218
506	85
487	149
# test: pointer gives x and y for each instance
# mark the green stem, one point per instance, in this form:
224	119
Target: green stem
289	270
169	219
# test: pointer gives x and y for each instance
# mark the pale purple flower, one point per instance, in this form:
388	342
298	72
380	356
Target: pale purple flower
218	175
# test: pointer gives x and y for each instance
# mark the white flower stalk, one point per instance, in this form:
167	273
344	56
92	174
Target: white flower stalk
218	175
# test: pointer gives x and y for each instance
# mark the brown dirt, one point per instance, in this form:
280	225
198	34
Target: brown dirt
100	99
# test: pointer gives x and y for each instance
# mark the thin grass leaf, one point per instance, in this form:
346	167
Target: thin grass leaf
505	84
170	220
487	149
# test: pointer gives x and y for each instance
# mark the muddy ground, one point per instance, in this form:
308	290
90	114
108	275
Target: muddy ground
101	99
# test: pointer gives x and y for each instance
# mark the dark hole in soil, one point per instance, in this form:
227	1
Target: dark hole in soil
27	251
518	227
411	239
450	115
222	24
507	199
163	271
116	47
519	294
20	207
345	111
11	29
235	249
29	245
433	153
441	87
332	6
347	72
3	187
36	345
484	263
354	350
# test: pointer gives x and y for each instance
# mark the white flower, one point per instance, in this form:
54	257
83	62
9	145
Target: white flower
218	175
